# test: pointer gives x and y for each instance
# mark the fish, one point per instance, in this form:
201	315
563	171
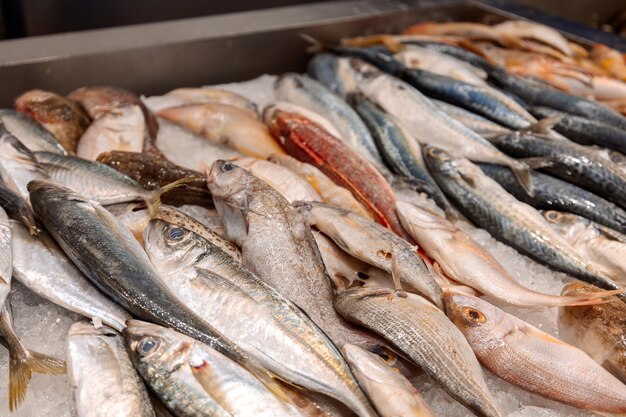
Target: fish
330	192
221	290
41	266
475	122
308	93
214	95
309	143
102	376
288	107
22	361
375	245
599	331
429	125
555	194
288	183
390	392
609	59
108	254
399	149
423	333
64	118
507	219
153	171
525	356
277	245
333	72
192	379
34	136
464	260
100	182
225	125
570	162
6	257
15	207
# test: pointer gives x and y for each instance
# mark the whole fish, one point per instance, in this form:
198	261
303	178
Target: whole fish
108	254
226	125
277	245
308	93
571	162
34	136
309	143
226	294
454	51
472	120
214	95
22	361
554	194
42	267
529	358
15	207
599	330
424	333
390	392
65	119
102	376
194	380
330	192
429	125
153	171
517	224
333	72
465	261
6	257
373	244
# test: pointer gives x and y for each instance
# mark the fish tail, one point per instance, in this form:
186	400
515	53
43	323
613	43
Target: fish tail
22	364
522	170
544	125
583	299
154	201
315	46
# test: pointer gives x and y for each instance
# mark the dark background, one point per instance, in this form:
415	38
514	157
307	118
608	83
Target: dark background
19	18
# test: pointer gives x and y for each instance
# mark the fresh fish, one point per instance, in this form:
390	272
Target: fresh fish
424	334
465	261
277	245
570	162
226	294
6	257
289	184
610	59
390	392
554	194
317	118
65	119
454	51
583	130
309	143
214	95
375	245
226	125
103	378
512	33
34	136
15	207
194	380
471	120
400	151
517	224
600	331
334	73
429	125
331	193
153	171
22	361
108	254
42	267
529	358
308	93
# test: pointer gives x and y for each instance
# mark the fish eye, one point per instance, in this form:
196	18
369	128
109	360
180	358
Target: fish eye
473	316
176	233
553	215
434	152
147	345
227	166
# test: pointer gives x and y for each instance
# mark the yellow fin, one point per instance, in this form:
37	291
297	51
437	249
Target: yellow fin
154	201
21	367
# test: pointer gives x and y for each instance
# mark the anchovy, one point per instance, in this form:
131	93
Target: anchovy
29	132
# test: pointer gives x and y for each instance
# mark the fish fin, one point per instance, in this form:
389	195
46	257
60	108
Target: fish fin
452	214
611	234
591	298
537	162
395	275
437	273
522	173
543	126
159	408
532	331
154	201
468	179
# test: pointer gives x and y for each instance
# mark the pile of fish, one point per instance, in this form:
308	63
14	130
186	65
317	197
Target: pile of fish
308	258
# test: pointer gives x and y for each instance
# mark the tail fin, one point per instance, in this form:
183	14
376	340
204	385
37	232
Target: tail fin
22	364
544	125
522	171
154	201
590	298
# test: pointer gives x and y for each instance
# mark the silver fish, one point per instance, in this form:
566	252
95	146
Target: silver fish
477	123
34	136
6	257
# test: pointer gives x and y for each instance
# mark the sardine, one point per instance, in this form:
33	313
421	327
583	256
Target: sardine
529	358
42	267
34	136
390	392
515	223
15	207
6	257
65	119
103	378
424	333
194	380
465	261
477	123
372	243
600	330
214	95
333	72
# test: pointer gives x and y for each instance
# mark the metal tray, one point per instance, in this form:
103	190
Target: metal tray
154	58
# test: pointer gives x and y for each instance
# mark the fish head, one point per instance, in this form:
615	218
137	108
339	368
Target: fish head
169	246
473	316
560	219
151	346
437	159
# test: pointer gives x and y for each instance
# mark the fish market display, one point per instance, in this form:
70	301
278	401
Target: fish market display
365	239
